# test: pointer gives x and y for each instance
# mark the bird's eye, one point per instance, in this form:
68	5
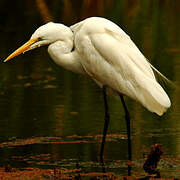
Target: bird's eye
40	38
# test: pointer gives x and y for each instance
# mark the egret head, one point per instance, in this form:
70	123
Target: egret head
44	35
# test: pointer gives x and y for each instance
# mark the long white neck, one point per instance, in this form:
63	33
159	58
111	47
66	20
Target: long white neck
62	54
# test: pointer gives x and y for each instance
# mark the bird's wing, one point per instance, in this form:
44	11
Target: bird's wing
106	26
132	51
115	61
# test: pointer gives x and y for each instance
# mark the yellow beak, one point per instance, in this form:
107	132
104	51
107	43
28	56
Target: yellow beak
22	49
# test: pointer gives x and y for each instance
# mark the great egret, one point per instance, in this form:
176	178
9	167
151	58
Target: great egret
101	49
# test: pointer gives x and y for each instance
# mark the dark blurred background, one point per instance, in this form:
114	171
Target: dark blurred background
39	99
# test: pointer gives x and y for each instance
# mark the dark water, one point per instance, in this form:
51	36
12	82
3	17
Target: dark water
39	99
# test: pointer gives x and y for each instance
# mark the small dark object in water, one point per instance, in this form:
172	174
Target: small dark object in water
8	168
150	165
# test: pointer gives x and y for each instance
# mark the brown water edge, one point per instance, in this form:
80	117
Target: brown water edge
41	166
7	173
45	174
59	140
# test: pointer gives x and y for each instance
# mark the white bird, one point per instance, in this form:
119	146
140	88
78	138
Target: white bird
101	49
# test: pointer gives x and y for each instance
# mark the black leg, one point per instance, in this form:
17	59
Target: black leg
127	117
106	118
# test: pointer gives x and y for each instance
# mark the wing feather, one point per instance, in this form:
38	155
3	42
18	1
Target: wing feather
111	58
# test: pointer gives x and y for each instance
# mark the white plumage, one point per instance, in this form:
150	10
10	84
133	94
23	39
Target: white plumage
101	49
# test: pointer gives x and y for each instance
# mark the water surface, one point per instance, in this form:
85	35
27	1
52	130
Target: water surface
40	100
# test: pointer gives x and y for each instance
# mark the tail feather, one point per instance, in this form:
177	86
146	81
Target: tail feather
153	96
161	75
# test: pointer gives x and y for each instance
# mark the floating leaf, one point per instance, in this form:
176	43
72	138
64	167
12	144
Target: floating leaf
49	86
74	113
27	84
